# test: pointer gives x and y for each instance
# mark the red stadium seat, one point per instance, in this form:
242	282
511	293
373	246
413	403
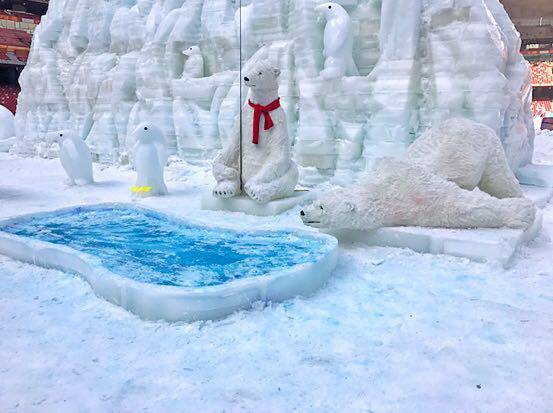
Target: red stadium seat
22	55
8	96
17	38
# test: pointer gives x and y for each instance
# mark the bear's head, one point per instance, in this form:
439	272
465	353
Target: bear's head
263	76
334	209
147	132
192	51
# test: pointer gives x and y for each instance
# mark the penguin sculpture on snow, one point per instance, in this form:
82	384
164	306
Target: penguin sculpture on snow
149	159
338	42
75	157
194	65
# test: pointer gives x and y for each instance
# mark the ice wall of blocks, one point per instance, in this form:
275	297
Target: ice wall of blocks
102	67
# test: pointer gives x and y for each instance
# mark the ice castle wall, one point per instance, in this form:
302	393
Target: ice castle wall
101	67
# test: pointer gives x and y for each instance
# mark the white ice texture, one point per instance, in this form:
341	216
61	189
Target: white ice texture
104	67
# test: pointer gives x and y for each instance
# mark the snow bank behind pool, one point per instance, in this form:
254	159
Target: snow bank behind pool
7	123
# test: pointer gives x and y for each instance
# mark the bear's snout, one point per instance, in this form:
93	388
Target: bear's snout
247	79
311	216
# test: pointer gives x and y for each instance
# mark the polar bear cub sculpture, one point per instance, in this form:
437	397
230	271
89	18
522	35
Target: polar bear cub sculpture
268	172
433	186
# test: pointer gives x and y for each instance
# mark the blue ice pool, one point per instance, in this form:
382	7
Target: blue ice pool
151	249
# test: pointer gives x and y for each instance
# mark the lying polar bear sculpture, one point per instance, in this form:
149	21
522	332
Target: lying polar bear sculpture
433	186
268	171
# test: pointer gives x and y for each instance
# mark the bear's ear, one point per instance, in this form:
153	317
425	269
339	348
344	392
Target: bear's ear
350	206
276	72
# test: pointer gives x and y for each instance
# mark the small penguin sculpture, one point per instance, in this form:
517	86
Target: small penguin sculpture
194	65
338	42
75	157
149	157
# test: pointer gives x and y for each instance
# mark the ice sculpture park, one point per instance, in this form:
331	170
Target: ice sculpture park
255	205
102	68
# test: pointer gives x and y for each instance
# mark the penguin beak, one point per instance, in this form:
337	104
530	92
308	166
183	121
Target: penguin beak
135	132
322	8
321	13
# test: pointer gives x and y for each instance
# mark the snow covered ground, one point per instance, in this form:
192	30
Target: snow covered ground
543	153
393	331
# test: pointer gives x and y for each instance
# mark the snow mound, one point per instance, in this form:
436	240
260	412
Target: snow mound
7	123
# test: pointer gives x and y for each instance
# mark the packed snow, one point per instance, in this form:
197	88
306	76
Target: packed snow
393	331
544	147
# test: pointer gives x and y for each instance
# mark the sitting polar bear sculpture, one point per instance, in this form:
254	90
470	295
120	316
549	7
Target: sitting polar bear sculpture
268	172
433	186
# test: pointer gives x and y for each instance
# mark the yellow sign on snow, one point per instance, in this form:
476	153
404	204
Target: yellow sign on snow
141	189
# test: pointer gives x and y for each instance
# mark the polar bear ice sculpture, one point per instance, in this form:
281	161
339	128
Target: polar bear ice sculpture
268	172
338	42
75	157
432	187
149	157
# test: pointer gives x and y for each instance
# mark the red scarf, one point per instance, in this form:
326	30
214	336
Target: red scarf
259	110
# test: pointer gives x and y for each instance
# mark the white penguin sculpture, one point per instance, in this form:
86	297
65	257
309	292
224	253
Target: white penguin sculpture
194	65
75	157
149	158
338	42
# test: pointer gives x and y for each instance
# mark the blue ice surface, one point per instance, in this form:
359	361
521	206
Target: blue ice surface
154	248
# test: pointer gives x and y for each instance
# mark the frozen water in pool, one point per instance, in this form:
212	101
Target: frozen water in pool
157	249
164	268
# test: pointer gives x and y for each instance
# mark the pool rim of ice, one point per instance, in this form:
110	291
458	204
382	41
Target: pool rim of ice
141	298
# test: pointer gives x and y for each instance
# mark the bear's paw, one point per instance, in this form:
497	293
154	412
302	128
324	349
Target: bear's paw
256	192
521	213
225	189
